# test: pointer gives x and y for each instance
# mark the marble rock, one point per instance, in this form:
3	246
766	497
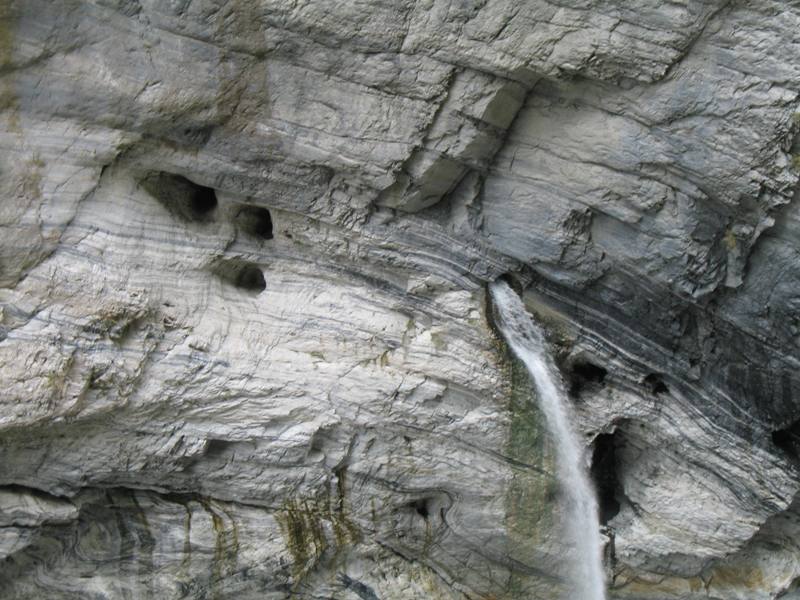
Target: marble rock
245	346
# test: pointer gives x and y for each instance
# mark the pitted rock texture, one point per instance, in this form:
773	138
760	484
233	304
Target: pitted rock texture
245	346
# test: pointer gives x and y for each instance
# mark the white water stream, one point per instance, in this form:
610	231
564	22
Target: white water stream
581	512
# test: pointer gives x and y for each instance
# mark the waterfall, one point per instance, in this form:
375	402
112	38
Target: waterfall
582	524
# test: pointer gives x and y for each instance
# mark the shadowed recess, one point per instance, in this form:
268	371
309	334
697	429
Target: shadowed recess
242	274
255	221
655	383
604	475
514	282
184	198
421	506
585	374
788	439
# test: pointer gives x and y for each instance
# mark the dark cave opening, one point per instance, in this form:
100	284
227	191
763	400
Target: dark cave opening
181	196
513	282
216	448
251	278
788	439
256	221
421	506
604	475
584	374
242	274
655	383
202	199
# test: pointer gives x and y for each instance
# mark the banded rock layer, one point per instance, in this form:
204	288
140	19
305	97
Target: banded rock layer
245	346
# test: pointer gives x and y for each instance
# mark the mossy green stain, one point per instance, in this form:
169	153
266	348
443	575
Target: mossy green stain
226	545
186	560
528	501
146	541
302	523
347	532
8	97
529	509
439	342
6	36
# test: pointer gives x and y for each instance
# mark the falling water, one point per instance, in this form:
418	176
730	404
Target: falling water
583	527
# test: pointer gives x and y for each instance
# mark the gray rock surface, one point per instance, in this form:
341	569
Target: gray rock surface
245	350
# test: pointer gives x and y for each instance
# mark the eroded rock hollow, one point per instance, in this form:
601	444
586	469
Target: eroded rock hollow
245	345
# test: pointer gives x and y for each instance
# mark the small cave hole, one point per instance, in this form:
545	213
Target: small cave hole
513	282
585	374
656	384
216	448
604	475
788	439
193	136
184	198
256	221
421	506
251	278
203	199
244	275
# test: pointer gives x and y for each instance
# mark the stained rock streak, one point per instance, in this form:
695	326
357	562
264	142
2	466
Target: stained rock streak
581	512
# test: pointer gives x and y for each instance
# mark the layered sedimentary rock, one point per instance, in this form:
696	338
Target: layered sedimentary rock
245	348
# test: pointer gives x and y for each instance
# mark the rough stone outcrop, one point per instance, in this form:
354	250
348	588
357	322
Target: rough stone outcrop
245	348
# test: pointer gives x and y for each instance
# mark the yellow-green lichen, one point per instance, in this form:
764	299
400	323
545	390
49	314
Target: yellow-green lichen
226	545
303	524
346	531
31	178
730	240
439	342
8	97
302	529
528	502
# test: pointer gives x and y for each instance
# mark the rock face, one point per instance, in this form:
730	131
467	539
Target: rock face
245	347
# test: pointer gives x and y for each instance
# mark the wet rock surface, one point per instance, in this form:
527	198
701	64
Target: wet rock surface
244	341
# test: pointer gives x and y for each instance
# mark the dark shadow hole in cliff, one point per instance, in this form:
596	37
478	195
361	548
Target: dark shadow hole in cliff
655	384
242	274
182	197
217	448
514	282
251	278
421	507
788	440
585	374
256	221
194	136
604	475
